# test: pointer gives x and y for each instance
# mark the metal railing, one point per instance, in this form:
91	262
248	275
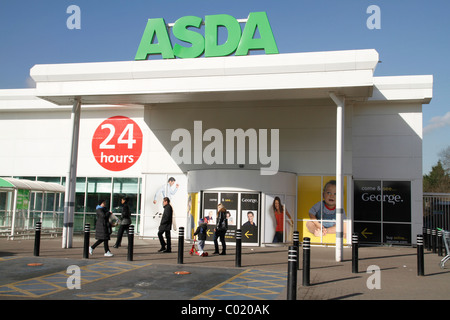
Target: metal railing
436	210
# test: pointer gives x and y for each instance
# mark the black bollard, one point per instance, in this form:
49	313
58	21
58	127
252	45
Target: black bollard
238	248
180	245
433	241
439	242
130	243
306	261
420	257
292	273
37	239
296	244
355	253
87	233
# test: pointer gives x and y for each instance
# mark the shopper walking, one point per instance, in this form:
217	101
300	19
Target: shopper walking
165	226
125	221
103	228
220	230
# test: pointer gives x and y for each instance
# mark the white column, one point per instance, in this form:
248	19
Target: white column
340	103
71	179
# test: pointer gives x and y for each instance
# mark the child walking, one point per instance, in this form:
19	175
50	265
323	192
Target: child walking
201	232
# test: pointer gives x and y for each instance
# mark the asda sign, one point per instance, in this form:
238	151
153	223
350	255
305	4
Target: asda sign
157	41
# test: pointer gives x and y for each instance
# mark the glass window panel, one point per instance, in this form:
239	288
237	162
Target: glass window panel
126	185
80	185
49	179
99	185
98	189
49	201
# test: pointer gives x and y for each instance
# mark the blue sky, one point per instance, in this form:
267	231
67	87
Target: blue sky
413	39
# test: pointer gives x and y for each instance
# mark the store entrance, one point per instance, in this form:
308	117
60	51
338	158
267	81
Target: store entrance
243	212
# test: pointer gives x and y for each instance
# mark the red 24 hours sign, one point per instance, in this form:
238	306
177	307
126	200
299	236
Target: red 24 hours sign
117	143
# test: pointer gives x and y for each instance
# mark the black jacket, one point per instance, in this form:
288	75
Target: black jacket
201	231
103	226
126	215
166	219
222	221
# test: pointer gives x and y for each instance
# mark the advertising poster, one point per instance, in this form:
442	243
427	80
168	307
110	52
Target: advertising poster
193	214
278	219
242	210
158	186
382	211
230	201
317	209
250	217
210	202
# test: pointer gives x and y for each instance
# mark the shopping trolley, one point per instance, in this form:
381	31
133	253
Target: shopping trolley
446	239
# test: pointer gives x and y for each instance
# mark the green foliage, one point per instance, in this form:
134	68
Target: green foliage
438	180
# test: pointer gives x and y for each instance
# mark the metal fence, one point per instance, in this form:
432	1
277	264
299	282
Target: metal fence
436	210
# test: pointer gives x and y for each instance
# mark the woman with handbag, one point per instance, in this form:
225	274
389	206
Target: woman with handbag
221	229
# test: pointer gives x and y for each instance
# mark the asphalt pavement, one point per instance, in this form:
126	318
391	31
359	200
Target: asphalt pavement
384	273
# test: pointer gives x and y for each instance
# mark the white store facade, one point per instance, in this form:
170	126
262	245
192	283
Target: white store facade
306	118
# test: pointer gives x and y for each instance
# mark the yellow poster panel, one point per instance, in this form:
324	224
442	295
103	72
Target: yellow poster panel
316	214
193	212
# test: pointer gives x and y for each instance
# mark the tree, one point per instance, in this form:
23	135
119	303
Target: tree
438	180
444	156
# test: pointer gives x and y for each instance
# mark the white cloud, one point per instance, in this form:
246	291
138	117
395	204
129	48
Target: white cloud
437	122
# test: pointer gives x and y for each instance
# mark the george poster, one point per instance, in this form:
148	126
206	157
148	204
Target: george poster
242	211
382	211
230	201
250	217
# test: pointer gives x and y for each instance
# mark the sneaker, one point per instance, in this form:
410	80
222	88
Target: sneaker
109	254
91	251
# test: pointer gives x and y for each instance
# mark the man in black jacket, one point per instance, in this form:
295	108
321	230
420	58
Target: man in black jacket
125	221
165	226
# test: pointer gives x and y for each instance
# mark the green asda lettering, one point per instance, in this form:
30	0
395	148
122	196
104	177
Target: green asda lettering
238	42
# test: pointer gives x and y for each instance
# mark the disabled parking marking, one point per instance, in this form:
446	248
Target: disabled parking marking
112	295
248	285
56	282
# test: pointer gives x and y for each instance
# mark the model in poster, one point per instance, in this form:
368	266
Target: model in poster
323	213
279	211
168	190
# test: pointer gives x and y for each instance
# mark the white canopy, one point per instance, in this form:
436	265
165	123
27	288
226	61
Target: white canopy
12	183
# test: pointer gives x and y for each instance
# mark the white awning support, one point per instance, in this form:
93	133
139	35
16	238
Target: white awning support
340	121
71	180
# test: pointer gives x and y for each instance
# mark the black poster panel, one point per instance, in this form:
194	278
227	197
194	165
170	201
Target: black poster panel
396	233
211	200
397	201
368	232
367	200
250	217
229	200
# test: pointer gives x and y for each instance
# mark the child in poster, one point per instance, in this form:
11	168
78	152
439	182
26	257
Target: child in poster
323	213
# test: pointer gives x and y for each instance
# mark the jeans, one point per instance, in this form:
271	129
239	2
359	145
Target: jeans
219	234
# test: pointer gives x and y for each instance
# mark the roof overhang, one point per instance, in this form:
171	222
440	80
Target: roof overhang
22	184
260	77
